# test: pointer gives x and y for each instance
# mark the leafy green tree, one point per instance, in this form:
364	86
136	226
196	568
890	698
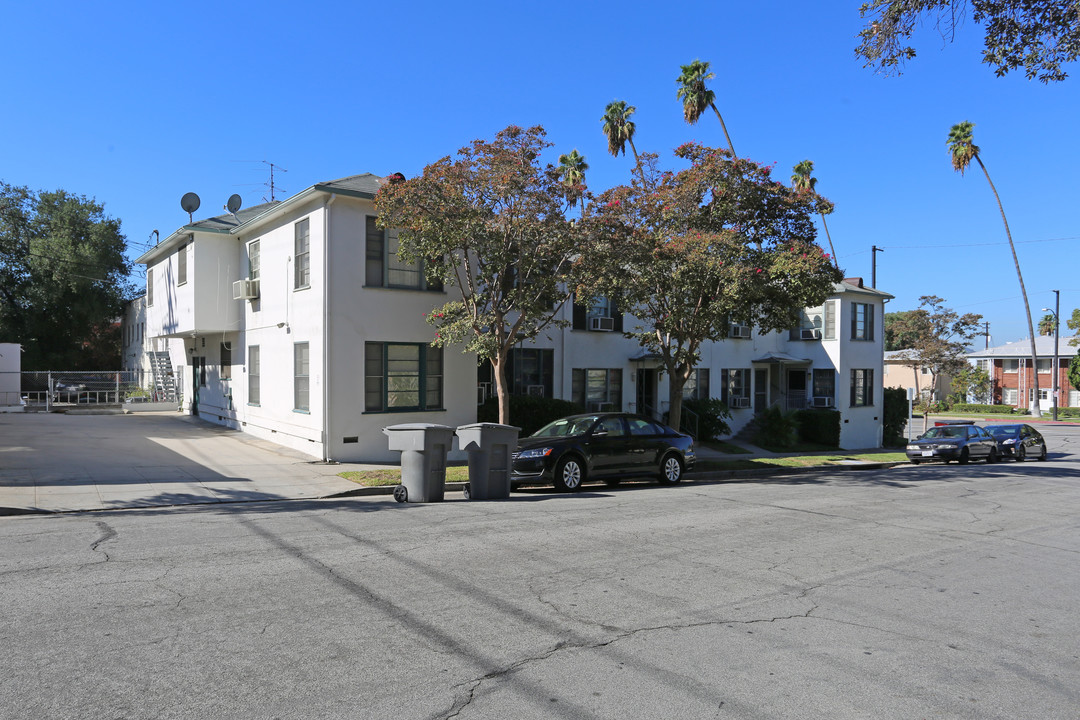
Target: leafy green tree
802	179
493	224
688	253
1073	323
696	97
897	335
972	381
62	279
940	339
620	129
572	167
1037	35
1074	371
963	150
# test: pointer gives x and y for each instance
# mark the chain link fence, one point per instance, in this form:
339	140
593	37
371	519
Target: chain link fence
47	390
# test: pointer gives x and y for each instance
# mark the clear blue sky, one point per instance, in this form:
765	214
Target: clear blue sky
137	103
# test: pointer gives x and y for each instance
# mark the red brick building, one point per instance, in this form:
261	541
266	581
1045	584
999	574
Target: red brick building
1013	377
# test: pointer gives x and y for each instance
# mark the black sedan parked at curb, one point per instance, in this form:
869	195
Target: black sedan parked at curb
1018	441
607	446
953	442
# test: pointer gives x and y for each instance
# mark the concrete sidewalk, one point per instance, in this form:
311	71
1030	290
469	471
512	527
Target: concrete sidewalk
53	462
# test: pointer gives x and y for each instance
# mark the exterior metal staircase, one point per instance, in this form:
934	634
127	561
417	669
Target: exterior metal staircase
164	381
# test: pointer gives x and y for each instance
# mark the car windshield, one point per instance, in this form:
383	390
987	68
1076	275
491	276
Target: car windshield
946	432
565	427
1003	430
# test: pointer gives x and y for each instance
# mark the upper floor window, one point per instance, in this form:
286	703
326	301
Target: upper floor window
253	260
181	265
302	254
602	315
1044	365
862	321
149	286
383	266
1010	366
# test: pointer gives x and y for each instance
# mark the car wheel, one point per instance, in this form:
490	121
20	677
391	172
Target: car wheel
964	457
992	457
1043	456
401	493
671	470
569	474
466	490
1021	454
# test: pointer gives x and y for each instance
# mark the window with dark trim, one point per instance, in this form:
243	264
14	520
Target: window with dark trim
735	387
181	265
598	389
825	384
402	377
862	387
531	371
226	361
697	385
149	286
383	267
862	321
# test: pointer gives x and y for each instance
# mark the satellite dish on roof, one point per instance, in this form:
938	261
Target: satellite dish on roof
190	203
234	203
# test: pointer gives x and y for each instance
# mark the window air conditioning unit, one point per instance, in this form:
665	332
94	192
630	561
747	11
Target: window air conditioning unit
603	324
812	334
245	289
535	390
740	331
823	402
740	402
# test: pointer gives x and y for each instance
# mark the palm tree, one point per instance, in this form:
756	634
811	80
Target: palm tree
572	167
803	179
696	97
963	150
619	129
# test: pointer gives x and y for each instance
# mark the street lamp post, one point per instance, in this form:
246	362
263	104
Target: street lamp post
1057	329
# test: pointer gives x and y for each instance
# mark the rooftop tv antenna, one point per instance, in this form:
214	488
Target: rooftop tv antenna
190	203
272	166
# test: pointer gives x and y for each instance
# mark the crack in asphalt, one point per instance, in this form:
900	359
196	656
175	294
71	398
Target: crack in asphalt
107	533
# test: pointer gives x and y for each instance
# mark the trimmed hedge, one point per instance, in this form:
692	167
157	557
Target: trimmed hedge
989	409
712	414
527	412
819	426
894	416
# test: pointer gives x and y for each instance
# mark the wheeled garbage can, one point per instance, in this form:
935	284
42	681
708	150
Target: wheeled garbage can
490	447
423	448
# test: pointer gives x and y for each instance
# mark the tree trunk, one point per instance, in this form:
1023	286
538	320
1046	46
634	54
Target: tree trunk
498	366
1035	410
836	262
676	383
724	126
637	161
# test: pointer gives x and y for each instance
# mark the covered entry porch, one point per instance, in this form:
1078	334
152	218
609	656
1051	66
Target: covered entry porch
783	380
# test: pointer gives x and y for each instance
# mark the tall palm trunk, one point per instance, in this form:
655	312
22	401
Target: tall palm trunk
724	126
831	248
637	161
1035	410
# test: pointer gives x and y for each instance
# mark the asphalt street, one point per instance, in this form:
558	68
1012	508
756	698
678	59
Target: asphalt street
912	592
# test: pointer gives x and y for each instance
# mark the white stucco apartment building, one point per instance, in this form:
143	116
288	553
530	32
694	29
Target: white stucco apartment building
295	321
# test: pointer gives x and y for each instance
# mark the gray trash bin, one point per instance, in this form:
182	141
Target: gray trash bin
490	447
423	448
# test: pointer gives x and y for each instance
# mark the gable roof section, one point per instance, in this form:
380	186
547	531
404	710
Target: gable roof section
363	186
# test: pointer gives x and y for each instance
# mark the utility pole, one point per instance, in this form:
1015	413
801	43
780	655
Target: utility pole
1057	361
987	336
874	250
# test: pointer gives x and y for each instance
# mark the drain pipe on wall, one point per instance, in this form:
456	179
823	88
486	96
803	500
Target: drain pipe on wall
325	329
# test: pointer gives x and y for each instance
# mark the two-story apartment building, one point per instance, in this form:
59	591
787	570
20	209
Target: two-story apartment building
299	324
1012	376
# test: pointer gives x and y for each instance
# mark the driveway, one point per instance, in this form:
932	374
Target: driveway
53	462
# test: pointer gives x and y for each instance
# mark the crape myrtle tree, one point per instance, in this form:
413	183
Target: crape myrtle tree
62	279
688	253
1036	35
940	337
492	223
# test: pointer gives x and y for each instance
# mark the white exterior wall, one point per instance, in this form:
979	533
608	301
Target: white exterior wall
204	302
10	379
860	427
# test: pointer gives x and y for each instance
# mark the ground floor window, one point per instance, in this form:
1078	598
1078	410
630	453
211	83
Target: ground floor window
1074	398
697	385
530	371
253	374
597	388
735	387
1044	394
862	387
402	377
226	361
824	387
1010	396
301	376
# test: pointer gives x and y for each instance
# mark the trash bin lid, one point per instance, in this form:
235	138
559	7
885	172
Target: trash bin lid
416	426
485	425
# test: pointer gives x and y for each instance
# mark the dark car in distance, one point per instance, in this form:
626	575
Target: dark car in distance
607	446
1018	441
953	442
